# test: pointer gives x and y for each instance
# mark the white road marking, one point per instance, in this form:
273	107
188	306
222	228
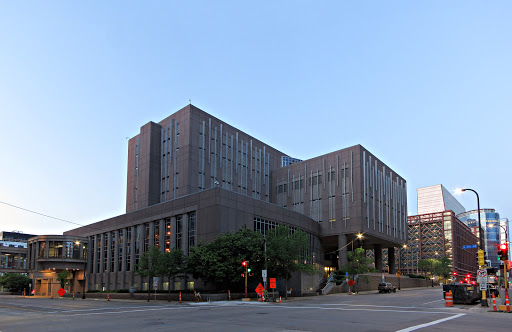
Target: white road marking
434	301
369	305
102	308
125	311
412	328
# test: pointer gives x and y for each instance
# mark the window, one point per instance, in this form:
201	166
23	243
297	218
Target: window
56	249
168	234
179	231
191	230
120	250
128	248
156	231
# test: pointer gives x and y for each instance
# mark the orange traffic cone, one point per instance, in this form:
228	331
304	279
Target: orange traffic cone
279	299
506	300
494	303
108	296
449	299
229	295
180	297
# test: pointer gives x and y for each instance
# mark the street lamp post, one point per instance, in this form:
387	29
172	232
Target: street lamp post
480	244
85	262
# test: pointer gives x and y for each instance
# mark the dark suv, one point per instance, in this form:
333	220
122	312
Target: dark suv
386	287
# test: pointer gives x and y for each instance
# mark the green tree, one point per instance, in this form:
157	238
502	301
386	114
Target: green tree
172	264
442	267
285	253
219	262
358	264
148	265
426	266
15	282
63	277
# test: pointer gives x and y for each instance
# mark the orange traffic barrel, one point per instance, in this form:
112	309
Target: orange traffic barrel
449	299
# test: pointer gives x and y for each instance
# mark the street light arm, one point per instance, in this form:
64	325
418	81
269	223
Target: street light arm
478	212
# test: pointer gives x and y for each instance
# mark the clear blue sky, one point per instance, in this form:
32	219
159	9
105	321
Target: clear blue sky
424	85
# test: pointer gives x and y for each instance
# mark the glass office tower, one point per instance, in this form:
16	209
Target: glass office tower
437	198
490	220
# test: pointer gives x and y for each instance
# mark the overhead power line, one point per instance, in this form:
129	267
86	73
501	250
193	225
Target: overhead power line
41	214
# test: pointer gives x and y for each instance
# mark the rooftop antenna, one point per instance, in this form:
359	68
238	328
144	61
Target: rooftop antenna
190	101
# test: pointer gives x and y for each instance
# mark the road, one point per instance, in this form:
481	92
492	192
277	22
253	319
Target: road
420	309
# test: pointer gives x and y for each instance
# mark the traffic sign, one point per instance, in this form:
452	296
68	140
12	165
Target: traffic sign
483	286
264	274
469	246
398	273
273	283
351	282
260	289
61	292
482	273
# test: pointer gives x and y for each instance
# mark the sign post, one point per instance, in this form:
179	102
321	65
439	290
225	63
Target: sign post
398	274
264	276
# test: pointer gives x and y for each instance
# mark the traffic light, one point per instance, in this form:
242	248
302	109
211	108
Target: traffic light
454	273
244	263
242	274
503	252
481	257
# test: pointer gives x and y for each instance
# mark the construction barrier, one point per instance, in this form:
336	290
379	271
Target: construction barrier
449	299
494	303
73	295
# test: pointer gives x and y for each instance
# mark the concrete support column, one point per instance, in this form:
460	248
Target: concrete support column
378	257
391	260
342	253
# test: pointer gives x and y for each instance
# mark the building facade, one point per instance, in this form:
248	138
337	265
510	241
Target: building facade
50	254
13	252
490	223
192	177
434	235
437	198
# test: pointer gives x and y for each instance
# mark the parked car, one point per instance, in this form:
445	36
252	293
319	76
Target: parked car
386	287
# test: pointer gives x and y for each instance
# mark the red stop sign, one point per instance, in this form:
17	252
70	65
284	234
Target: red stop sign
61	292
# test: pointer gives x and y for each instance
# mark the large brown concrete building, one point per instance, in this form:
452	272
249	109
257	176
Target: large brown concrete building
192	177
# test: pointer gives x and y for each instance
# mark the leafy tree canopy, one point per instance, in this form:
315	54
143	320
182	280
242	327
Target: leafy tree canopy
15	282
63	276
219	261
358	263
